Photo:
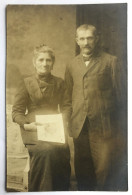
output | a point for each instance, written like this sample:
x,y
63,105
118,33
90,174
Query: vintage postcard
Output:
x,y
74,56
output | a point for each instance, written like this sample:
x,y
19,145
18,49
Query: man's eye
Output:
x,y
48,60
90,38
81,39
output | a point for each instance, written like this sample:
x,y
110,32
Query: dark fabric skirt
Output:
x,y
49,167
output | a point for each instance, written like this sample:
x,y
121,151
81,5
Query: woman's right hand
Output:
x,y
30,127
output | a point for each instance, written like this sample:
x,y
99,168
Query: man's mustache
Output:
x,y
88,47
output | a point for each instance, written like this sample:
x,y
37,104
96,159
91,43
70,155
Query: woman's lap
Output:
x,y
49,166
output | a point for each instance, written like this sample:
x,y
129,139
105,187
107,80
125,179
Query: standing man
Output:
x,y
92,106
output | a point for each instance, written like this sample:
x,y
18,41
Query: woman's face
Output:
x,y
43,64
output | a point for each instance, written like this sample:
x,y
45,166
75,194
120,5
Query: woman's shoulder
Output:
x,y
29,77
58,79
58,82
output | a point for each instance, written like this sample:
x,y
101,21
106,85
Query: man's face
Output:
x,y
43,63
86,41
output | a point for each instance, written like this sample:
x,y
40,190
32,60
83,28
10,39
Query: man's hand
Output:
x,y
31,126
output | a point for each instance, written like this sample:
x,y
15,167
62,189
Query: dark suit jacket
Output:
x,y
93,92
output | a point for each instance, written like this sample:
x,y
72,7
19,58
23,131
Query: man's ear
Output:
x,y
97,38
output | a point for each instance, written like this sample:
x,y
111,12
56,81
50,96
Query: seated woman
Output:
x,y
38,95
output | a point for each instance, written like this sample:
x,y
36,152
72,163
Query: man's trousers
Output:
x,y
99,162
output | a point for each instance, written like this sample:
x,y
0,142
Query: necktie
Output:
x,y
86,58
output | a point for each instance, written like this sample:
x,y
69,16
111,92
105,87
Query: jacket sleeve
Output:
x,y
61,94
67,100
118,77
20,105
120,87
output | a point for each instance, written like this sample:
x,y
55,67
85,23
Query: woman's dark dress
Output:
x,y
49,162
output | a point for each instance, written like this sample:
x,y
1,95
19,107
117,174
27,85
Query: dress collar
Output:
x,y
45,78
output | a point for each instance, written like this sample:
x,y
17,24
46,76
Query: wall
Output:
x,y
111,22
30,26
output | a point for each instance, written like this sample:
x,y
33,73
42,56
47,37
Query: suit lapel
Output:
x,y
81,65
83,69
92,64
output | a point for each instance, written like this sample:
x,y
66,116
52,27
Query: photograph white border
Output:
x,y
3,4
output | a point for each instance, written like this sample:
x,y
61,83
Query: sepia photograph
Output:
x,y
66,98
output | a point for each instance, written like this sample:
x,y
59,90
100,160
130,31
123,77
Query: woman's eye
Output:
x,y
41,60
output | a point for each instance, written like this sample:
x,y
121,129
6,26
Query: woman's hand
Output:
x,y
30,127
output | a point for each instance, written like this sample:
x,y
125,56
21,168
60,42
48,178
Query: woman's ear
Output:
x,y
77,40
52,66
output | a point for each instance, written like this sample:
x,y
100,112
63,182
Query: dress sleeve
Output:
x,y
20,105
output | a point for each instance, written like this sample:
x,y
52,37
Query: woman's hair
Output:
x,y
44,49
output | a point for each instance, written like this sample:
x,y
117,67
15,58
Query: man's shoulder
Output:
x,y
73,61
107,56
